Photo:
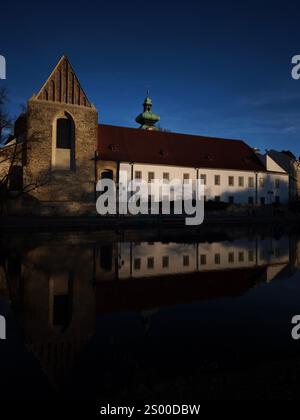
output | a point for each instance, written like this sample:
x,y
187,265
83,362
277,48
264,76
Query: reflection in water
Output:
x,y
58,286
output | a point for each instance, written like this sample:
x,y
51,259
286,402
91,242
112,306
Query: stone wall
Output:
x,y
57,187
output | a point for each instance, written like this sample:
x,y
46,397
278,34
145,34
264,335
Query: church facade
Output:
x,y
65,151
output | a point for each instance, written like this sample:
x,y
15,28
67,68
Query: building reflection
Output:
x,y
58,287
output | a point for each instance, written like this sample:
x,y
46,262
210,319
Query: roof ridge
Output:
x,y
174,133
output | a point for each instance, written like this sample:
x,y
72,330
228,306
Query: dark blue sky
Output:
x,y
217,68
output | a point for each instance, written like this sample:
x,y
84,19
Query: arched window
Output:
x,y
107,174
63,149
63,133
46,96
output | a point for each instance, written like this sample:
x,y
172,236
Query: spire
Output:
x,y
147,119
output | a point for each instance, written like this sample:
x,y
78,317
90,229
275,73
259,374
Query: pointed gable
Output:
x,y
63,86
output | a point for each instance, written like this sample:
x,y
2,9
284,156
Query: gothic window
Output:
x,y
63,150
64,133
46,96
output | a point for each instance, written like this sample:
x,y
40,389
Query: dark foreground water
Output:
x,y
150,315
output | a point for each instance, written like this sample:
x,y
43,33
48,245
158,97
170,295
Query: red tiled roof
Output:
x,y
164,148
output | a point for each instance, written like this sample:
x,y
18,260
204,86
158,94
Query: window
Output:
x,y
231,257
250,200
261,182
251,255
251,182
217,259
277,199
217,198
202,259
203,179
241,256
186,260
231,199
150,262
137,263
186,177
165,262
262,200
277,183
63,152
204,198
150,176
166,177
64,133
231,181
217,180
241,181
138,174
107,174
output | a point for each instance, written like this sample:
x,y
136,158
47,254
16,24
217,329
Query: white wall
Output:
x,y
242,253
224,190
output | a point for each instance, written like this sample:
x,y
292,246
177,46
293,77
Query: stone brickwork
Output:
x,y
56,189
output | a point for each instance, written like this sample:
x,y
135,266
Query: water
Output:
x,y
148,313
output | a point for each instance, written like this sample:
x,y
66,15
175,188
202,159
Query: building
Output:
x,y
65,151
288,161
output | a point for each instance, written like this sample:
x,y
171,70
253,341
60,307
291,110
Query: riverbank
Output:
x,y
139,222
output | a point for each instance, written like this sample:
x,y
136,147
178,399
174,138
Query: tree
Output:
x,y
12,158
5,120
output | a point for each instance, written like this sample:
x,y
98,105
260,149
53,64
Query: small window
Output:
x,y
217,198
231,199
166,176
138,174
241,181
277,183
165,261
231,257
217,259
251,182
137,263
261,182
241,256
202,259
186,260
203,179
150,176
150,262
231,181
217,180
186,177
250,200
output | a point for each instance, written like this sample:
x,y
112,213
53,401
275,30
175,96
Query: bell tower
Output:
x,y
61,143
147,119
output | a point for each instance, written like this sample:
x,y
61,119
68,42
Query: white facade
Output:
x,y
241,187
148,259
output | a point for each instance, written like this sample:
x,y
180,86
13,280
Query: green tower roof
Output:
x,y
147,119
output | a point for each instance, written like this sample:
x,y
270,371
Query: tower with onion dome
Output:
x,y
147,119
